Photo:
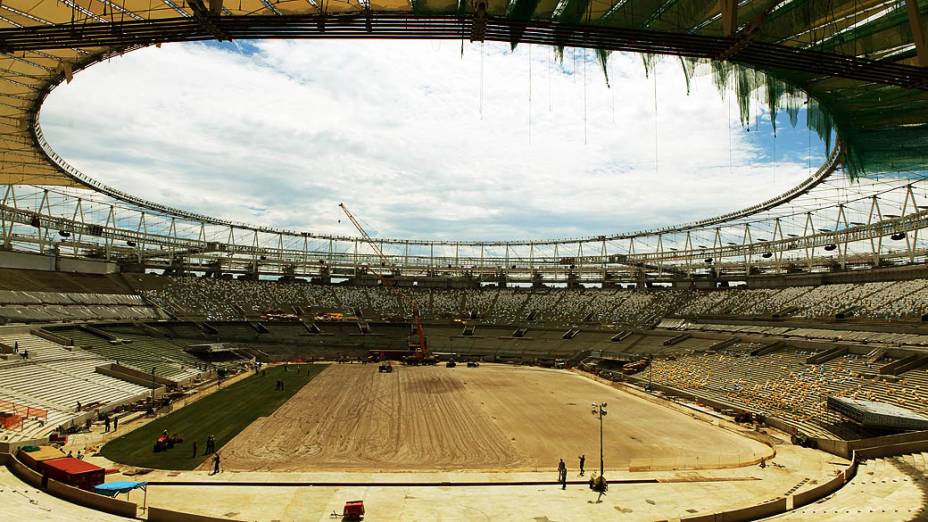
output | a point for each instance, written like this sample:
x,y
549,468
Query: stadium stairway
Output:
x,y
883,490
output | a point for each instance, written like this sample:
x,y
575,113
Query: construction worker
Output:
x,y
582,463
215,464
562,474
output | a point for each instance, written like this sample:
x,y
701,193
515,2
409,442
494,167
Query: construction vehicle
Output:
x,y
420,347
636,367
353,510
418,354
166,442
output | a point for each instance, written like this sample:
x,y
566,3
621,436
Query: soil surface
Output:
x,y
495,417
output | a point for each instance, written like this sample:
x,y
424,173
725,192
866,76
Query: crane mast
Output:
x,y
385,261
420,347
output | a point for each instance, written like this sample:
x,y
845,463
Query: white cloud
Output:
x,y
394,129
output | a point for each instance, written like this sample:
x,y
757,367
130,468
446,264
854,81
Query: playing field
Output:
x,y
222,414
493,417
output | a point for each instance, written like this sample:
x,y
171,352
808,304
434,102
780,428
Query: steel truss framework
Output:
x,y
834,224
824,223
374,25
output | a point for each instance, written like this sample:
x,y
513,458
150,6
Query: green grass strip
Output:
x,y
223,414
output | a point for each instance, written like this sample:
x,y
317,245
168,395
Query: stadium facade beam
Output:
x,y
756,54
729,17
918,32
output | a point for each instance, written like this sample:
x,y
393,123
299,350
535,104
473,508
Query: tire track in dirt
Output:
x,y
352,418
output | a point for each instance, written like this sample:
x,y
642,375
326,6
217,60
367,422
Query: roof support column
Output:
x,y
79,233
918,32
876,244
730,16
6,195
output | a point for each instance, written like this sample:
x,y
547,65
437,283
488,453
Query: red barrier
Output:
x,y
18,413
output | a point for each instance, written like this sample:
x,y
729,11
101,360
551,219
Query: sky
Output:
x,y
421,139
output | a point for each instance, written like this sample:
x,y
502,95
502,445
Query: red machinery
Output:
x,y
421,348
73,472
354,510
420,355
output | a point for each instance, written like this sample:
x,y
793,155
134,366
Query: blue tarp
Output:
x,y
111,489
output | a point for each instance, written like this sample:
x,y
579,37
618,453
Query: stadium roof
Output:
x,y
857,59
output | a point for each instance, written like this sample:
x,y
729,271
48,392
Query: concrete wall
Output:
x,y
22,260
127,374
820,491
46,263
843,448
92,500
835,447
75,495
851,276
165,515
744,514
914,436
892,450
13,447
53,337
23,472
86,266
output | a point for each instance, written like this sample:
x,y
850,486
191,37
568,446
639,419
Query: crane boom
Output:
x,y
420,347
383,258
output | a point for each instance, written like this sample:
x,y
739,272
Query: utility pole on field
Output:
x,y
599,483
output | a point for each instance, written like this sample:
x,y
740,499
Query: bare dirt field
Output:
x,y
493,417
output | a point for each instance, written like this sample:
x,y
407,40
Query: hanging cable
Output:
x,y
656,156
728,102
809,132
772,124
585,138
613,92
481,79
550,66
529,94
573,52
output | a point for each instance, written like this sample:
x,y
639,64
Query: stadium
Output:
x,y
766,362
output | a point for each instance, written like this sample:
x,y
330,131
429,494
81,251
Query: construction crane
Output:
x,y
384,260
419,346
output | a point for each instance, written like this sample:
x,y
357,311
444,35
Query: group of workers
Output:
x,y
22,354
562,470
